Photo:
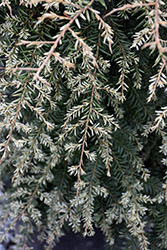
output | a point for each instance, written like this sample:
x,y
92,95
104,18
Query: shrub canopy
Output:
x,y
83,119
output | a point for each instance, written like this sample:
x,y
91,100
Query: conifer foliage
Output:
x,y
83,119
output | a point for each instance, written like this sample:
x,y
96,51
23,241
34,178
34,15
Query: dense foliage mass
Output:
x,y
83,119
